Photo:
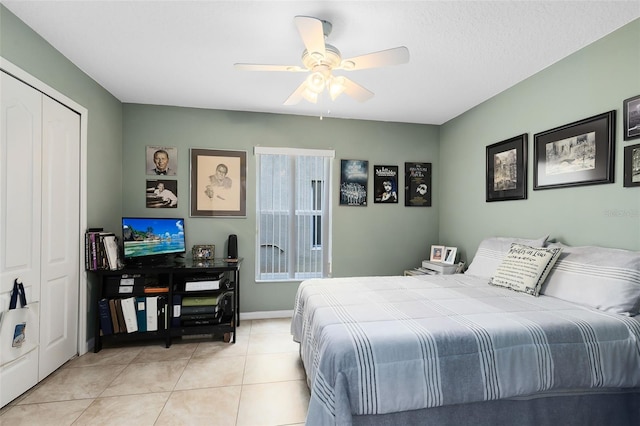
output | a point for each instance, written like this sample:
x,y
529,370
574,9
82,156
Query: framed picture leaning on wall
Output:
x,y
218,184
506,176
578,153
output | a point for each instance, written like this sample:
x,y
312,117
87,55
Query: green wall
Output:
x,y
23,47
378,239
593,80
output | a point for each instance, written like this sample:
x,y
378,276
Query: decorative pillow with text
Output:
x,y
525,268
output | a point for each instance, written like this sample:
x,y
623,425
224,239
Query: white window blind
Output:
x,y
293,209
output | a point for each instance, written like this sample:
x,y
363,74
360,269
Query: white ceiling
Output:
x,y
182,52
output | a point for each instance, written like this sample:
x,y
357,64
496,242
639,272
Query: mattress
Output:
x,y
375,345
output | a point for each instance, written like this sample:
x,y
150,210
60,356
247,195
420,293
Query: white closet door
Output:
x,y
60,235
20,207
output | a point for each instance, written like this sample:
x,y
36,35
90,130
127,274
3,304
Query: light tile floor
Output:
x,y
259,380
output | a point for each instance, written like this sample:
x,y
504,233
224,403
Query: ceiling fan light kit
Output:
x,y
320,60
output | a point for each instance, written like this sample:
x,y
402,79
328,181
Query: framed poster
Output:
x,y
162,160
579,153
162,194
218,183
417,184
385,184
354,175
506,177
631,121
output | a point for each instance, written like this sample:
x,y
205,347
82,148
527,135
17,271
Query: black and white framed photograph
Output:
x,y
417,184
385,184
354,175
506,169
162,194
578,153
632,165
631,121
162,160
449,256
218,184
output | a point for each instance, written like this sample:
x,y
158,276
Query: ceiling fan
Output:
x,y
320,60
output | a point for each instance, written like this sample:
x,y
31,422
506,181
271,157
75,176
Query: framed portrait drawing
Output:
x,y
385,184
162,160
631,121
162,194
218,184
579,153
354,175
506,176
417,184
437,254
632,165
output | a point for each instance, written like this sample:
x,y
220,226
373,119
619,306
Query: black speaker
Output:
x,y
232,248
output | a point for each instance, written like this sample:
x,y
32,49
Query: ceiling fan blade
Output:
x,y
356,91
383,58
264,67
296,96
312,34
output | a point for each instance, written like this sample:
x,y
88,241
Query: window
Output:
x,y
293,213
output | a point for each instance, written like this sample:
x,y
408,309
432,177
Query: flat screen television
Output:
x,y
152,239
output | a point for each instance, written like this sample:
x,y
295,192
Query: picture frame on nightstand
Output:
x,y
437,253
449,256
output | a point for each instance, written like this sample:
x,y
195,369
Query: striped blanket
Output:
x,y
373,345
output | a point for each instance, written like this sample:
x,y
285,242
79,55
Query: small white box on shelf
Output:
x,y
439,267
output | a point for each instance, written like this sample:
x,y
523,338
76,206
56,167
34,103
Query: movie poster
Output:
x,y
417,181
353,182
385,184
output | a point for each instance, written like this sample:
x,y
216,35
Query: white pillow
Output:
x,y
525,268
491,252
603,278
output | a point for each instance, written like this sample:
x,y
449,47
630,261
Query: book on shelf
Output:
x,y
206,309
152,313
105,317
211,321
155,289
101,250
129,314
121,322
141,313
191,317
201,300
175,314
115,324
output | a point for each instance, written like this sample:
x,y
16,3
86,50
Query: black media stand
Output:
x,y
162,301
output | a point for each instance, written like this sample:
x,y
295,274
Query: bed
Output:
x,y
453,349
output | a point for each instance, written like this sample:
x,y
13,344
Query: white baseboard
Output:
x,y
265,315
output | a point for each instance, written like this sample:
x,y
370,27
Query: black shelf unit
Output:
x,y
173,276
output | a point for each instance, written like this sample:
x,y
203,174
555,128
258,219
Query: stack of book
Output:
x,y
132,314
101,250
199,310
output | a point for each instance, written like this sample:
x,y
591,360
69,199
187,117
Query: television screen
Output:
x,y
146,237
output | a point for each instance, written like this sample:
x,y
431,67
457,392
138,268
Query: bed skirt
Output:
x,y
615,407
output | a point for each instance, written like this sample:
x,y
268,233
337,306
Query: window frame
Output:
x,y
292,275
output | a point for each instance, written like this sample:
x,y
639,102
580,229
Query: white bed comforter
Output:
x,y
374,345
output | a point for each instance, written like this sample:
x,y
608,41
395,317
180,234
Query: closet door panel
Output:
x,y
60,235
20,212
